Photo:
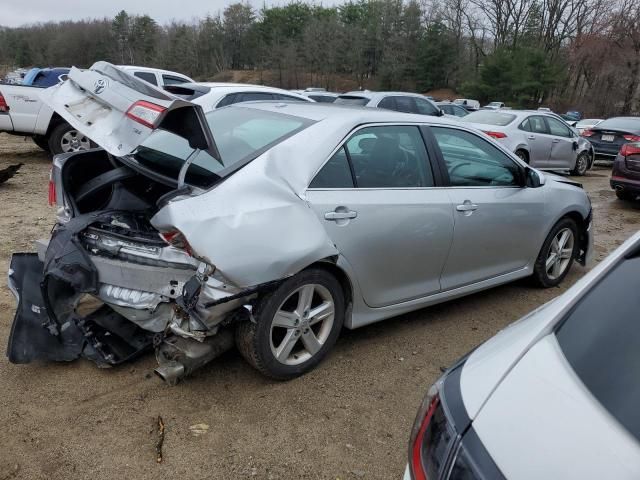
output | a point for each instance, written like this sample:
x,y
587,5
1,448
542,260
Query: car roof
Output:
x,y
378,94
223,87
357,114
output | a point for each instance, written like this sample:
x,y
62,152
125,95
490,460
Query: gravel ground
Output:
x,y
350,418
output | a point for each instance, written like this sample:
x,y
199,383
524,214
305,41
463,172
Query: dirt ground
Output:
x,y
350,418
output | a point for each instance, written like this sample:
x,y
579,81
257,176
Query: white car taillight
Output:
x,y
145,113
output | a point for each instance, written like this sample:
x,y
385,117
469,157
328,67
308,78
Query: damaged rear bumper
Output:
x,y
95,294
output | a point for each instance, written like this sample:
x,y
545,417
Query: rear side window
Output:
x,y
379,157
336,173
600,339
323,98
287,98
147,77
405,104
534,124
473,162
252,97
388,102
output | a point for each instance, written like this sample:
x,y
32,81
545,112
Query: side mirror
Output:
x,y
533,179
63,78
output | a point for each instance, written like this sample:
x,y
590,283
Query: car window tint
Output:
x,y
556,127
388,102
472,161
228,100
323,98
405,104
253,96
525,125
600,339
288,98
147,77
425,107
171,80
335,173
389,157
459,111
537,125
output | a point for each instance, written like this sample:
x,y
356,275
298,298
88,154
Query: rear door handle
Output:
x,y
467,207
531,137
333,216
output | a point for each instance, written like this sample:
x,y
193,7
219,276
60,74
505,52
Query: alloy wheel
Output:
x,y
73,141
560,253
302,324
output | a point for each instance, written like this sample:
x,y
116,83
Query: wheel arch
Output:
x,y
54,122
331,265
583,236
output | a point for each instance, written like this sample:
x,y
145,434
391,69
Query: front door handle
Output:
x,y
334,216
467,206
556,140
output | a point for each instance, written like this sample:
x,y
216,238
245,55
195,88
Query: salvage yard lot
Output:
x,y
349,418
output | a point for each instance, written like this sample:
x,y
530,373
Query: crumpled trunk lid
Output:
x,y
99,102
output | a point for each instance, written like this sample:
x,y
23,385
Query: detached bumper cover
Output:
x,y
47,325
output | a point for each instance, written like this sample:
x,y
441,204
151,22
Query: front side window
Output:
x,y
473,162
241,135
287,98
425,107
351,100
379,157
405,104
600,339
556,127
147,77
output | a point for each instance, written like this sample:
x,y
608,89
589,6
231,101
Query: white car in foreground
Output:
x,y
553,396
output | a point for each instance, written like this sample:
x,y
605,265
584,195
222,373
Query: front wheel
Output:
x,y
557,254
295,326
582,164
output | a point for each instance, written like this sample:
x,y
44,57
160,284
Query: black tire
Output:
x,y
582,165
42,142
624,195
541,276
56,139
254,340
523,155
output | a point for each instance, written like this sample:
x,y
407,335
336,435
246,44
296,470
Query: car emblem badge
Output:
x,y
99,86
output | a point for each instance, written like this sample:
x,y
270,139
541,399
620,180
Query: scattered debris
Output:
x,y
199,429
9,172
160,439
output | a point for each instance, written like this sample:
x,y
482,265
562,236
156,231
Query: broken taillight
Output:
x,y
52,190
145,113
176,239
495,134
4,107
587,133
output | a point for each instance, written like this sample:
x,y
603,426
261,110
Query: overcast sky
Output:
x,y
14,13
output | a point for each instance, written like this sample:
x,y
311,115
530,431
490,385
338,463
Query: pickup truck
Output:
x,y
23,113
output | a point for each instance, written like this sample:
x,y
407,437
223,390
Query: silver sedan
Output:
x,y
541,139
275,223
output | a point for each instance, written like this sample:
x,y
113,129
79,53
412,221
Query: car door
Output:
x,y
497,219
378,200
538,140
563,153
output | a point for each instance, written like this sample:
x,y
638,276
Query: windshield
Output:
x,y
241,135
351,100
600,339
621,123
490,118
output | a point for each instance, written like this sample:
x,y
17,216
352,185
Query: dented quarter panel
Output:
x,y
268,231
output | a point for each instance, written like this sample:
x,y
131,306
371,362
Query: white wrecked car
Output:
x,y
274,223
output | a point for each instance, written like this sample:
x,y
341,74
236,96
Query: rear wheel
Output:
x,y
582,164
295,326
623,195
523,155
557,254
66,139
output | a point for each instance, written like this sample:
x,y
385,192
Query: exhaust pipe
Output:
x,y
179,356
